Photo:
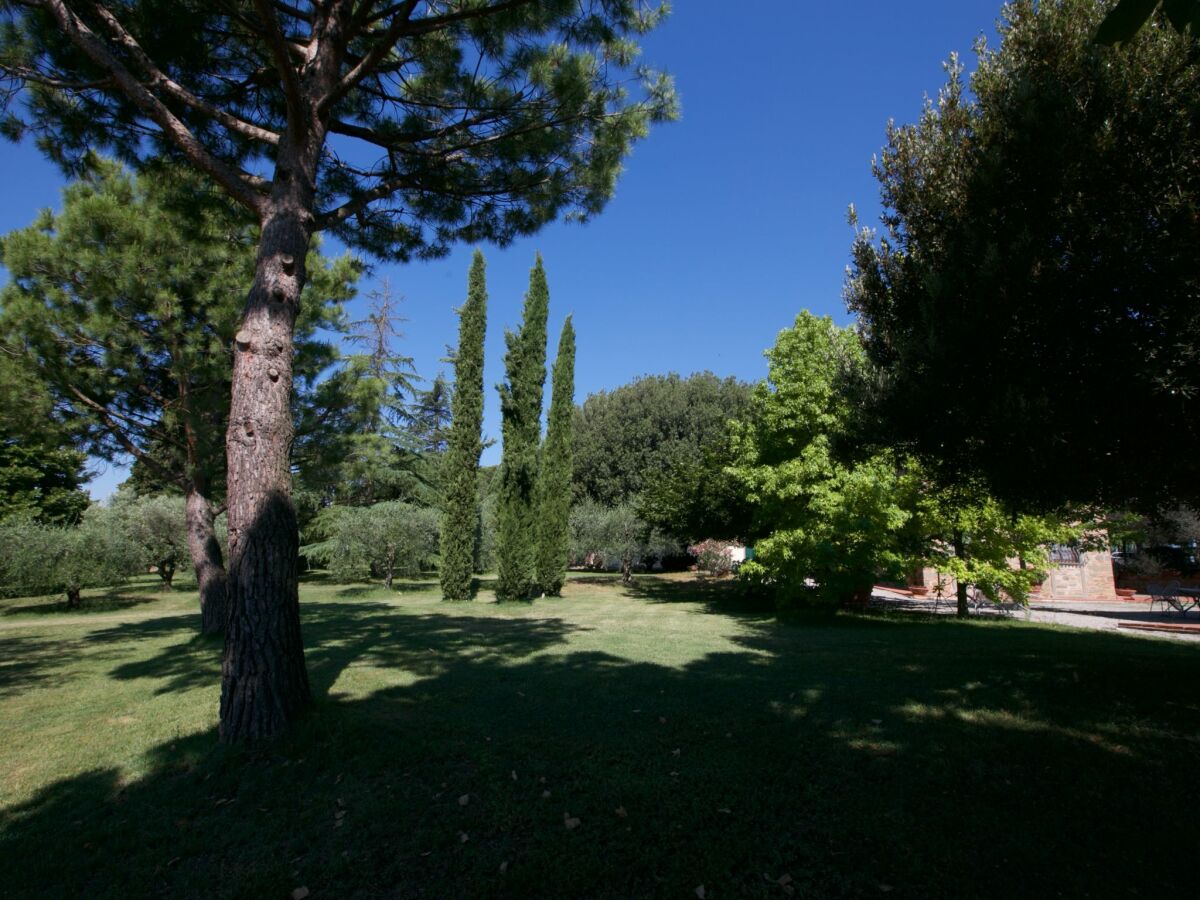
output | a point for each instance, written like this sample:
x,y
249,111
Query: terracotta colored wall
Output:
x,y
1092,579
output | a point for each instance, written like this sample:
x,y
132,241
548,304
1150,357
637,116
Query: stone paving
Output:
x,y
1096,615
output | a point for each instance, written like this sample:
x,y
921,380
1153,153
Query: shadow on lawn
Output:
x,y
866,756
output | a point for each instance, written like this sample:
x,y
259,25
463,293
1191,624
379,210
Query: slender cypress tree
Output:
x,y
460,470
554,473
521,413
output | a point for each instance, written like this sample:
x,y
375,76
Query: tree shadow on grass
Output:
x,y
111,602
338,635
856,758
720,595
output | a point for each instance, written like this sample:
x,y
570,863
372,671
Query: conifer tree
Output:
x,y
554,473
460,512
521,414
400,128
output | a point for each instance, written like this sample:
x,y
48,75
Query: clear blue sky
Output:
x,y
725,224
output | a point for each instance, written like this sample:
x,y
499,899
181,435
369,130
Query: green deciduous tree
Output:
x,y
554,471
521,428
604,534
627,438
156,526
125,305
383,540
460,468
1034,296
697,497
37,559
400,127
823,529
972,538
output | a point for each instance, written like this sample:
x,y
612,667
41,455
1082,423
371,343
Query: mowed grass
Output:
x,y
612,743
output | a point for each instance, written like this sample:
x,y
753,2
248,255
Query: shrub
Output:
x,y
712,556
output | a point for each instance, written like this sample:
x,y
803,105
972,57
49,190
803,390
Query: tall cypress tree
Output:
x,y
461,465
554,473
521,413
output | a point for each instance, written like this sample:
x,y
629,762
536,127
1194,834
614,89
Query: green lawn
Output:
x,y
687,744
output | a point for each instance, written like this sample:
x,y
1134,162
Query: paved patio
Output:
x,y
1097,615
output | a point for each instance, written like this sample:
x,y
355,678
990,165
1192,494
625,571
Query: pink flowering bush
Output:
x,y
712,556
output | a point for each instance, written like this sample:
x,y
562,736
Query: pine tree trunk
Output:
x,y
960,551
264,683
205,551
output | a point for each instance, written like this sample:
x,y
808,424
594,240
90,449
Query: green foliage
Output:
x,y
352,444
156,526
125,304
40,559
460,468
697,497
972,538
626,439
41,472
484,121
428,418
823,529
384,540
521,412
554,472
601,535
1034,296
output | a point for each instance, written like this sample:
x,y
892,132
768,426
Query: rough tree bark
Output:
x,y
73,597
205,551
264,682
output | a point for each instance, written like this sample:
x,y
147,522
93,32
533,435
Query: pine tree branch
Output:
x,y
160,80
279,52
239,187
106,417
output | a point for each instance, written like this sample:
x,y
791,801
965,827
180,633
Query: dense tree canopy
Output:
x,y
822,529
625,439
521,427
41,472
554,470
460,469
1034,298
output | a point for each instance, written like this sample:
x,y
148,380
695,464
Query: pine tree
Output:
x,y
461,465
554,474
521,413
